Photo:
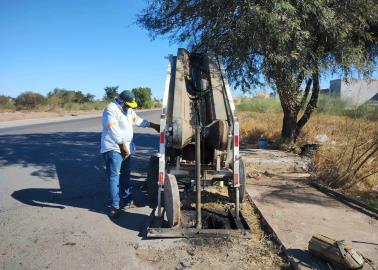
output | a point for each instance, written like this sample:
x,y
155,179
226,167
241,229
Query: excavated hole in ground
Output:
x,y
209,220
215,209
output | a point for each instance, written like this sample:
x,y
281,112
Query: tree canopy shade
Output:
x,y
287,44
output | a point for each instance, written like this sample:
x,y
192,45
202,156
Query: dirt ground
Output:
x,y
227,253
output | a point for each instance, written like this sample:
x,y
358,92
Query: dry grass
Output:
x,y
348,160
254,125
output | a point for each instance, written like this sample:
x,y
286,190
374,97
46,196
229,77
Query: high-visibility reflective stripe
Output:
x,y
162,137
236,153
111,124
236,140
236,179
161,178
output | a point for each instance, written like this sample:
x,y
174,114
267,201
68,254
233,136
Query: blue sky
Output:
x,y
77,44
80,45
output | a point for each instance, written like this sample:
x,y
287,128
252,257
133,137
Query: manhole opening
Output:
x,y
210,220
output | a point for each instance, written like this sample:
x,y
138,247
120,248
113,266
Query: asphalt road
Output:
x,y
53,198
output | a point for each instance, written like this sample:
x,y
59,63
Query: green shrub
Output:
x,y
71,106
368,110
143,97
337,106
99,105
157,104
7,103
29,101
332,105
86,106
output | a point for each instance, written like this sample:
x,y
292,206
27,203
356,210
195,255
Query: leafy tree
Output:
x,y
110,92
62,96
6,103
89,97
29,100
143,97
287,44
79,97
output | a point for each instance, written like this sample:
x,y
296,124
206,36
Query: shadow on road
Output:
x,y
305,260
275,193
74,159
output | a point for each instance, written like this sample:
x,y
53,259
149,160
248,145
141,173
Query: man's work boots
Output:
x,y
114,213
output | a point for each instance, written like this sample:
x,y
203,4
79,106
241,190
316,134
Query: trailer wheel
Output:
x,y
231,190
152,179
171,200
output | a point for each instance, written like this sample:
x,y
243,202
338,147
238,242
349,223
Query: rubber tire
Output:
x,y
231,190
153,178
172,203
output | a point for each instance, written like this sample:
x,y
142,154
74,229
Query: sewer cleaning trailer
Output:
x,y
199,137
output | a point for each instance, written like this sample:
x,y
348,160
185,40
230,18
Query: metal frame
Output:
x,y
162,139
234,136
242,230
236,139
236,167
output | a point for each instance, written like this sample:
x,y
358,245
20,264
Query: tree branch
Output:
x,y
305,94
313,100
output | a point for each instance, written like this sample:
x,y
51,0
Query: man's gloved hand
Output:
x,y
155,127
124,152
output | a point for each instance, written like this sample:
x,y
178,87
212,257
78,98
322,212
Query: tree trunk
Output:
x,y
289,126
289,108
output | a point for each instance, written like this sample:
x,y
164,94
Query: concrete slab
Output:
x,y
296,211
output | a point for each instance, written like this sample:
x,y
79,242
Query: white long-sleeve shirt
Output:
x,y
117,127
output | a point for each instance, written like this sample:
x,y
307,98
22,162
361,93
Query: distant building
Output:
x,y
356,91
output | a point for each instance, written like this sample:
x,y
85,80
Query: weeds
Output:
x,y
326,104
259,104
348,160
332,105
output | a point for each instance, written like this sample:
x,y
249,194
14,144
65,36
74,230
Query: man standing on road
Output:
x,y
117,145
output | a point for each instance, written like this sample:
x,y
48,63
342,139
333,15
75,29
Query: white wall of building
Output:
x,y
356,91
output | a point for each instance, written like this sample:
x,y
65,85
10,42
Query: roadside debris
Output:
x,y
321,138
262,143
254,175
339,254
182,265
309,149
